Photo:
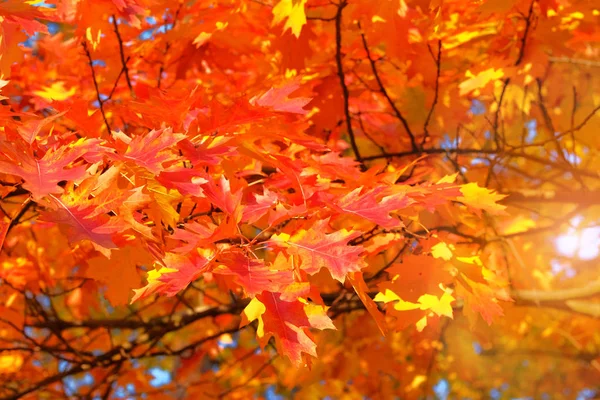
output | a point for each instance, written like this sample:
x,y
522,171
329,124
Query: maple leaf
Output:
x,y
151,150
162,208
287,321
278,100
207,150
84,211
25,15
480,80
80,226
176,274
293,11
319,250
361,289
479,198
480,299
41,176
31,128
56,91
130,9
252,274
185,180
263,203
372,208
219,193
440,306
442,250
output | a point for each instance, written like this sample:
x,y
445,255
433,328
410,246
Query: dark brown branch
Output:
x,y
100,102
385,93
438,61
539,160
342,76
160,322
117,80
167,47
122,54
525,34
15,221
528,22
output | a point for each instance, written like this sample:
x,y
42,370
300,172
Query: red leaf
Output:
x,y
278,100
151,150
252,274
370,206
319,250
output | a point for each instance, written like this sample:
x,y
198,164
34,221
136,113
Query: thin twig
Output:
x,y
507,80
122,54
110,95
385,94
100,102
438,61
342,76
167,47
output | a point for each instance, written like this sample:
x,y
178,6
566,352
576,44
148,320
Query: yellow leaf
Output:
x,y
163,202
480,80
421,324
447,179
253,311
440,306
386,297
153,281
294,12
56,91
481,198
441,250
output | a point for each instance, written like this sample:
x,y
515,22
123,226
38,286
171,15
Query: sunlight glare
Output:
x,y
584,243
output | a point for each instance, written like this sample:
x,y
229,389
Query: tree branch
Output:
x,y
122,54
100,102
385,94
342,76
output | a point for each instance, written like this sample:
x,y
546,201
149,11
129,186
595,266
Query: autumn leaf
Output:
x,y
41,176
30,129
479,198
441,306
480,80
287,321
185,180
252,274
176,274
291,11
373,206
278,99
151,150
319,250
195,194
481,300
